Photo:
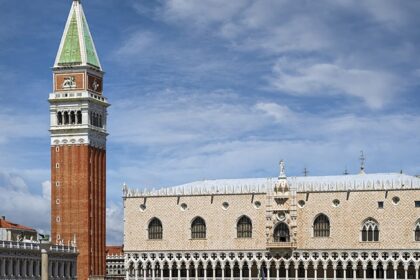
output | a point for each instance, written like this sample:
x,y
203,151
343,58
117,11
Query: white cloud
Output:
x,y
46,190
114,224
202,12
304,78
15,125
280,113
136,44
23,206
179,117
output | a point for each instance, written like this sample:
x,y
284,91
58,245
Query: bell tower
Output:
x,y
78,117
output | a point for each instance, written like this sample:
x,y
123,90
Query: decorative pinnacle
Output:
x,y
282,170
362,163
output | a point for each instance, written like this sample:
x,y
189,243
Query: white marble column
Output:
x,y
214,271
161,271
354,271
277,271
223,271
187,268
374,271
170,271
395,270
240,271
296,273
345,271
268,271
316,271
44,265
405,271
249,271
205,271
305,266
153,272
231,272
179,271
287,271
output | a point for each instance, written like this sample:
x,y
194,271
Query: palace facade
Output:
x,y
336,227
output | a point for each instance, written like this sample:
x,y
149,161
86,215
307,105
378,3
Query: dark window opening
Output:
x,y
198,228
244,227
59,118
281,233
155,229
322,226
79,117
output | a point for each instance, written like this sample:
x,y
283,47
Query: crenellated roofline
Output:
x,y
344,183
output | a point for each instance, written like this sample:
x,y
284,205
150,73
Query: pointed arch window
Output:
x,y
198,228
281,233
370,230
155,229
417,231
244,227
322,226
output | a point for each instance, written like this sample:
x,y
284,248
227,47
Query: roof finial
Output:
x,y
362,162
305,172
282,170
346,172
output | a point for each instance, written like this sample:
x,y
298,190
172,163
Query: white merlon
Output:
x,y
360,182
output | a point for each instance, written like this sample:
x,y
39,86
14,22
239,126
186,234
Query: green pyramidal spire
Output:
x,y
77,47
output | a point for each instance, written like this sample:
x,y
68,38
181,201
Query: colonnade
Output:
x,y
12,267
258,265
25,261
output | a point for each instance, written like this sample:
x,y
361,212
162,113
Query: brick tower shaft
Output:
x,y
78,116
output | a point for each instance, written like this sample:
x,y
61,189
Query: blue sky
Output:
x,y
216,89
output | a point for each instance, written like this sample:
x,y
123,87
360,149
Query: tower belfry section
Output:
x,y
78,120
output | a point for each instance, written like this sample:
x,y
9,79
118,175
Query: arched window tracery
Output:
x,y
417,231
370,230
155,229
198,228
244,227
321,226
281,233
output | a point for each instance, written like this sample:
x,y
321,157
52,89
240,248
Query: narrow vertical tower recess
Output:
x,y
78,112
